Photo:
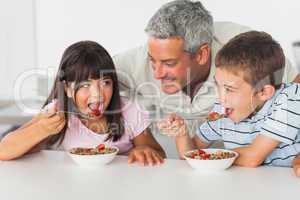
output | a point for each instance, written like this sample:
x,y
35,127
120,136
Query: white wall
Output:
x,y
119,24
17,45
35,33
279,18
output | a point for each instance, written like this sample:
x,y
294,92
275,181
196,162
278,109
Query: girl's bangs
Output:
x,y
90,69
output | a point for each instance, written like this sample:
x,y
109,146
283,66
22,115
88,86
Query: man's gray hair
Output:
x,y
184,18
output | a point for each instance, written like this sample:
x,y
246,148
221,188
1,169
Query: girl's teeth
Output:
x,y
94,106
100,107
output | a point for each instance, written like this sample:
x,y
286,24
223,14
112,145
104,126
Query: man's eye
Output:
x,y
170,64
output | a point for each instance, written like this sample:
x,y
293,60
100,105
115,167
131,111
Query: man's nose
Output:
x,y
159,72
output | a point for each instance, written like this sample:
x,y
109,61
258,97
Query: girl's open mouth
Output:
x,y
96,108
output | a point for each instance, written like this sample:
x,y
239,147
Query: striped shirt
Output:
x,y
278,119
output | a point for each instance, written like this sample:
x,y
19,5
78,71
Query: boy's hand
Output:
x,y
173,126
296,165
145,156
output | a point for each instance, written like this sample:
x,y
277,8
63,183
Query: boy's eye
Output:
x,y
151,60
228,90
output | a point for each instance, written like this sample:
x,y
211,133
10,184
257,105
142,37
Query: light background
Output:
x,y
35,33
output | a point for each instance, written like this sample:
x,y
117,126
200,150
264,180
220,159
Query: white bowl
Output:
x,y
210,165
94,160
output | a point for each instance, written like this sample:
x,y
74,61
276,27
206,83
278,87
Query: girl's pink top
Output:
x,y
135,119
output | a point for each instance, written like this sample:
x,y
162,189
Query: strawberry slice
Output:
x,y
95,108
96,112
100,147
205,156
213,116
200,151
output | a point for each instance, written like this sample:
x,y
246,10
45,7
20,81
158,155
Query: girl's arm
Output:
x,y
147,150
27,137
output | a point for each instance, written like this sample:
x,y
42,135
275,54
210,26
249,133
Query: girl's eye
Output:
x,y
107,82
84,85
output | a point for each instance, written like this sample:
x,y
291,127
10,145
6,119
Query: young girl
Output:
x,y
85,109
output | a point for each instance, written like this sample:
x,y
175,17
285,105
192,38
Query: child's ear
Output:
x,y
203,54
266,93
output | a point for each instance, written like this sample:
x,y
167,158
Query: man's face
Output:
x,y
236,95
171,64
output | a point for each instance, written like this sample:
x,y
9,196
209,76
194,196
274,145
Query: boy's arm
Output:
x,y
296,165
254,154
185,143
175,126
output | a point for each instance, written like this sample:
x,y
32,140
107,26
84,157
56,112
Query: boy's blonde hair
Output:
x,y
257,55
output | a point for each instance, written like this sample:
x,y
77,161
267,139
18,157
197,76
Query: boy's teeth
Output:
x,y
228,111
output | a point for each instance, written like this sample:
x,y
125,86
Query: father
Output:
x,y
174,71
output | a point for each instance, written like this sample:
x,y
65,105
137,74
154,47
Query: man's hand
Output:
x,y
145,156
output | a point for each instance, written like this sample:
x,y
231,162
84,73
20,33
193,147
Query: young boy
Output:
x,y
259,115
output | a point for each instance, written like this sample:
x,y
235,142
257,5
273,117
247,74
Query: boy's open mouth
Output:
x,y
228,111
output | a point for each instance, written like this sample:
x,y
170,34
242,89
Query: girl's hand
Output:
x,y
145,155
50,121
173,126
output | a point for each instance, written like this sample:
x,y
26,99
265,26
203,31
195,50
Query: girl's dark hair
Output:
x,y
82,61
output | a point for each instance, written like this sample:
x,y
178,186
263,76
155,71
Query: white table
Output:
x,y
53,175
